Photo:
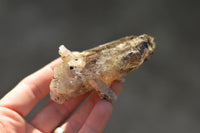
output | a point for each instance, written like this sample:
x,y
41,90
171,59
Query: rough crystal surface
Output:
x,y
98,67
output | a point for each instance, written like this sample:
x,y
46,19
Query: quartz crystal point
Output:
x,y
97,68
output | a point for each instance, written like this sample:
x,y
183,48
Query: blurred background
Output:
x,y
161,96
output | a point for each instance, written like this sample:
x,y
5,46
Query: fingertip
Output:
x,y
98,118
55,62
104,105
117,86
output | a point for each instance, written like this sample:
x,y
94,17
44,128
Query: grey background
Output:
x,y
161,96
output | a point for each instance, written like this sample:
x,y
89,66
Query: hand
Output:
x,y
92,117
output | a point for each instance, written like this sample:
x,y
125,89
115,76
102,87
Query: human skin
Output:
x,y
92,117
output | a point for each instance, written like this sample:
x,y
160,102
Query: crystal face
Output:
x,y
98,67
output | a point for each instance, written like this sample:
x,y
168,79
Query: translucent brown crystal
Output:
x,y
98,67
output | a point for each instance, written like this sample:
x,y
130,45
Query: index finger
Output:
x,y
30,90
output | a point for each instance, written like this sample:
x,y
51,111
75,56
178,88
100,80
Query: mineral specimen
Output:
x,y
97,68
